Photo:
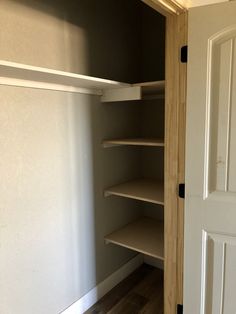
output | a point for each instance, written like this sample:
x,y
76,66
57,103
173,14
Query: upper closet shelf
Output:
x,y
148,90
16,74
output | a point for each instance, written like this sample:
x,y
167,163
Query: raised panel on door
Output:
x,y
221,111
219,252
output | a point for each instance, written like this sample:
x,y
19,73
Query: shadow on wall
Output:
x,y
100,38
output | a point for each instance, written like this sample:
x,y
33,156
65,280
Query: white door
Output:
x,y
210,219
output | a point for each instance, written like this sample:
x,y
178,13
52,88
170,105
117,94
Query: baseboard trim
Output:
x,y
88,300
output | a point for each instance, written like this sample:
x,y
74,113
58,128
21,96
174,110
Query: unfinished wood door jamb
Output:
x,y
175,106
176,37
183,37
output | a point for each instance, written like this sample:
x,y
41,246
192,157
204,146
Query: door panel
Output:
x,y
222,115
210,208
219,262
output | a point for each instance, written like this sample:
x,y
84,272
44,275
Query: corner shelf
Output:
x,y
145,235
134,142
147,190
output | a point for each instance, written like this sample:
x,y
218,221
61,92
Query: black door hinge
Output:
x,y
180,309
184,54
182,190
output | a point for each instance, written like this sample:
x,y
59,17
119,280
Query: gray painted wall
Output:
x,y
98,38
53,215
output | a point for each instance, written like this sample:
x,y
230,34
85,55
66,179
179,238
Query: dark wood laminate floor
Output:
x,y
141,292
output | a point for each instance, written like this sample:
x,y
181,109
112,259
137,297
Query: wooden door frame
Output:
x,y
175,129
175,111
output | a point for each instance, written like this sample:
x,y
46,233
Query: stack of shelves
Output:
x,y
145,235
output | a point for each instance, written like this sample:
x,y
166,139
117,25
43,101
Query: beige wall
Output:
x,y
53,216
46,213
52,249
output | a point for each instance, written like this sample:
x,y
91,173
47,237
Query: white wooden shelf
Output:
x,y
145,235
147,190
16,74
134,142
138,91
23,75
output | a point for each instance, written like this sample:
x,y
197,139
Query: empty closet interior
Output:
x,y
109,72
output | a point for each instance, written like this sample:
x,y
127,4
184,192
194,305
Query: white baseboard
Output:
x,y
88,300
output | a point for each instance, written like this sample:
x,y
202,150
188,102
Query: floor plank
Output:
x,y
141,292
